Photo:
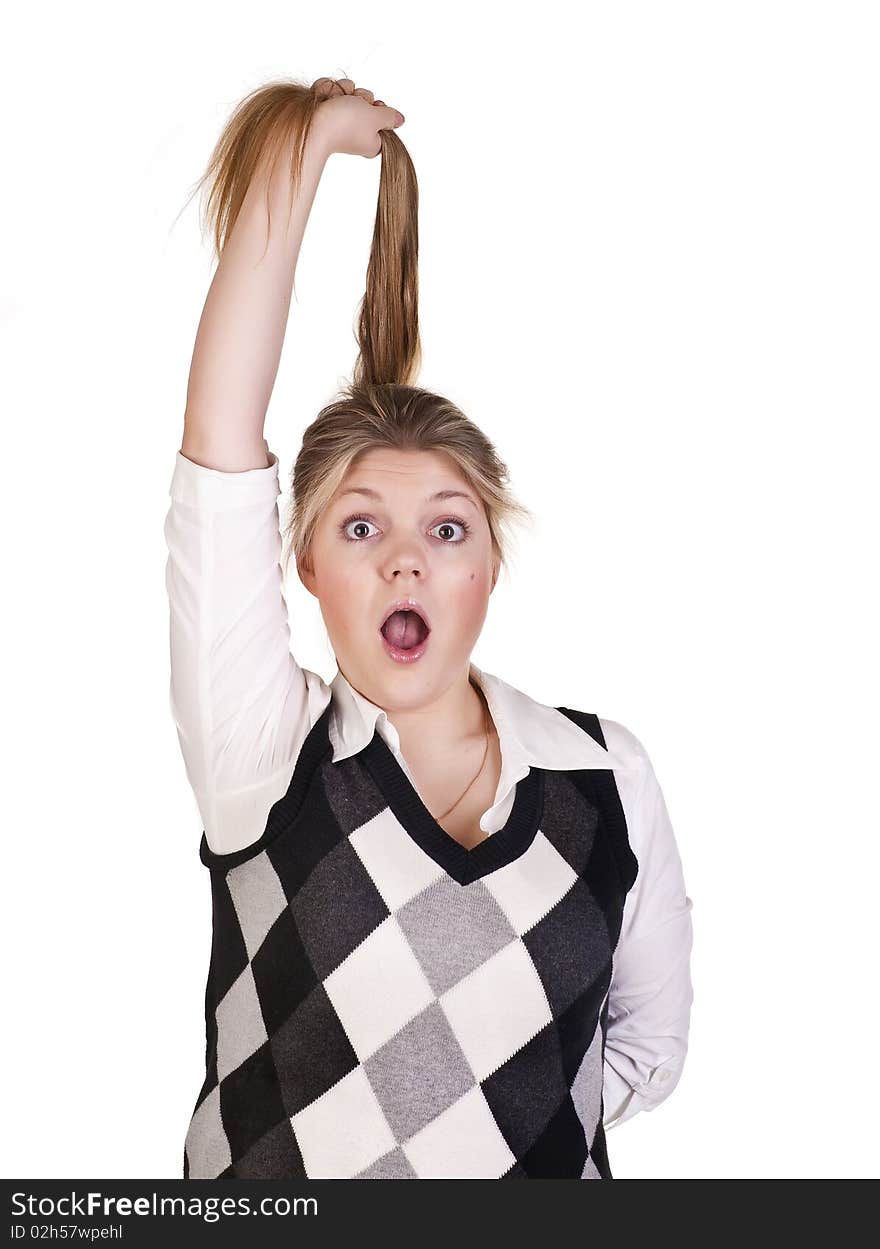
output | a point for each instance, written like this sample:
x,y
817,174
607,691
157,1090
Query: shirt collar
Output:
x,y
530,733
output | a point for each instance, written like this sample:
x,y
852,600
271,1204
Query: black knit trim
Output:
x,y
600,784
284,811
463,865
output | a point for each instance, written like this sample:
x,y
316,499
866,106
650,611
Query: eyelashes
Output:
x,y
447,520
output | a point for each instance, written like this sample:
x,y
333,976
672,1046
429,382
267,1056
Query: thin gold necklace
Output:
x,y
438,818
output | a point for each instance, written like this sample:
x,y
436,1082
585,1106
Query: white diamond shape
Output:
x,y
398,866
378,988
463,1143
497,1008
342,1131
529,887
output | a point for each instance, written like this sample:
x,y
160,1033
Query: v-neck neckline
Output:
x,y
462,864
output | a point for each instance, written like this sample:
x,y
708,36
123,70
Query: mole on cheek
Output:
x,y
472,576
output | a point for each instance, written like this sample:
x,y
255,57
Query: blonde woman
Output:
x,y
451,937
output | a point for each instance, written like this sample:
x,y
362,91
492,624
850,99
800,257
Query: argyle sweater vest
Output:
x,y
383,1003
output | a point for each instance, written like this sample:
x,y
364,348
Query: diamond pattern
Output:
x,y
383,1017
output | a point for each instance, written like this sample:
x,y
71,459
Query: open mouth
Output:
x,y
405,633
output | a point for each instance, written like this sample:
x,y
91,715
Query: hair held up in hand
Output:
x,y
382,406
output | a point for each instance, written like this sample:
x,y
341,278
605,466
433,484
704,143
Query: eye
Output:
x,y
359,522
449,523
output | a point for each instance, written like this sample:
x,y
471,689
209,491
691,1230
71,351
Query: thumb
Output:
x,y
390,118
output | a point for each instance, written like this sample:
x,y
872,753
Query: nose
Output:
x,y
402,565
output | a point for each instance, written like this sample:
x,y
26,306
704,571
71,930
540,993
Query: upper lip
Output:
x,y
406,604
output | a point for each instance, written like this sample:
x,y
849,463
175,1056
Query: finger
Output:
x,y
347,85
322,87
364,94
391,118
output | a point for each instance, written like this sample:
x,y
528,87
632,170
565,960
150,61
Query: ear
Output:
x,y
307,576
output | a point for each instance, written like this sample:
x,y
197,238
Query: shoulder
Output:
x,y
626,752
627,748
561,736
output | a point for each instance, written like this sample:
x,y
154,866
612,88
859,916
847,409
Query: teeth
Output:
x,y
406,607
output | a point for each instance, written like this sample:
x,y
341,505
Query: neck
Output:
x,y
443,726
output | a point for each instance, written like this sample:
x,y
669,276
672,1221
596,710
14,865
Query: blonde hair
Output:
x,y
381,407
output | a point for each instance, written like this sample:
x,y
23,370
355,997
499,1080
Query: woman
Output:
x,y
450,930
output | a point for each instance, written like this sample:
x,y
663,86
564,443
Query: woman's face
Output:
x,y
385,535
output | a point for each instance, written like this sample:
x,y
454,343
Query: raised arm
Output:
x,y
241,331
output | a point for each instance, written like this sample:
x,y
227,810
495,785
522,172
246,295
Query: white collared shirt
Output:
x,y
243,706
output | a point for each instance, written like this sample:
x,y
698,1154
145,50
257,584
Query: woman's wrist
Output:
x,y
284,188
319,140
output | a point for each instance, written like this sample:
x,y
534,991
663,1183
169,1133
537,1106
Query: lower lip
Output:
x,y
402,656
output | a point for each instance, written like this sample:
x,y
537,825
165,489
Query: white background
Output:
x,y
649,270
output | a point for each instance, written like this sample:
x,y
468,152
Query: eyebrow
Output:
x,y
439,496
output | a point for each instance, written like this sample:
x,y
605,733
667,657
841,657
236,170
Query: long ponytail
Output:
x,y
388,324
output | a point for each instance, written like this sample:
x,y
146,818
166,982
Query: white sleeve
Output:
x,y
238,697
650,996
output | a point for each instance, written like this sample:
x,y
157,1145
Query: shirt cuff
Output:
x,y
623,1100
212,489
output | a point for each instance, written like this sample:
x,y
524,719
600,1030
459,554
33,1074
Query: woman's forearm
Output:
x,y
241,332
